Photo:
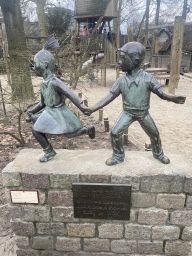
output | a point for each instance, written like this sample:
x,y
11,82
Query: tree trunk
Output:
x,y
184,14
147,22
40,10
140,28
116,29
19,59
157,13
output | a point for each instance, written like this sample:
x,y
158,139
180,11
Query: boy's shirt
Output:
x,y
136,91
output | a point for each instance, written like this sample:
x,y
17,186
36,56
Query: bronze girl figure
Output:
x,y
56,117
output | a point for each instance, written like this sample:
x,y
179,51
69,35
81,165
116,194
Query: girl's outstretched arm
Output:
x,y
69,94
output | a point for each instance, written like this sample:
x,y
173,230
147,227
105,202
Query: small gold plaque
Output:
x,y
24,196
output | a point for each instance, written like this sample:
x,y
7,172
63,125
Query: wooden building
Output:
x,y
94,13
165,34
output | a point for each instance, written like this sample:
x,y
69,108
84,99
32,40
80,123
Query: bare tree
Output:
x,y
18,56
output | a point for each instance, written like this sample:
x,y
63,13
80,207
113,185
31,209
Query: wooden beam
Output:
x,y
176,53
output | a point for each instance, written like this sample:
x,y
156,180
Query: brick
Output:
x,y
63,181
189,202
153,216
110,231
188,185
68,244
11,179
124,246
27,253
96,245
187,234
133,181
91,254
63,214
181,218
40,181
15,212
142,200
42,197
51,229
61,198
81,230
52,253
47,253
42,243
135,232
177,248
162,183
23,228
165,233
22,241
147,247
167,201
36,213
94,178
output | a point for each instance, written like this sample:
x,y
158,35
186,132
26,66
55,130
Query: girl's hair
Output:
x,y
46,56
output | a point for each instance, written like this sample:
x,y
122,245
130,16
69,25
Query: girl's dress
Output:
x,y
56,118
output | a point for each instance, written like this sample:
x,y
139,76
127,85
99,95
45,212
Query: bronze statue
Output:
x,y
135,86
56,117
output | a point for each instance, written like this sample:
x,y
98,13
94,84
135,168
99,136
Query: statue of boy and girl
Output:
x,y
135,86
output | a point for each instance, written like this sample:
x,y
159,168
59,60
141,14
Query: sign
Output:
x,y
24,196
101,201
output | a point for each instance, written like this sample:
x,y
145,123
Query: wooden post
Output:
x,y
104,76
156,49
117,70
85,102
125,137
106,124
100,114
80,95
130,34
176,53
152,49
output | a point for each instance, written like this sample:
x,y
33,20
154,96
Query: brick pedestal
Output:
x,y
161,211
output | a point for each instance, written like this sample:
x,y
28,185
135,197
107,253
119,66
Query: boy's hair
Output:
x,y
46,56
137,50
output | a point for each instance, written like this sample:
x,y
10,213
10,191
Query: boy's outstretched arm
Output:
x,y
109,98
179,99
114,93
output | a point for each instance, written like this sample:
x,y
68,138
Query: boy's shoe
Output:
x,y
49,154
163,159
112,161
91,132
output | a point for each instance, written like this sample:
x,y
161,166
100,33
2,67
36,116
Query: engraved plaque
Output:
x,y
102,201
24,196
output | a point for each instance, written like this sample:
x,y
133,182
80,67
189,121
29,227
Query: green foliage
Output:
x,y
58,20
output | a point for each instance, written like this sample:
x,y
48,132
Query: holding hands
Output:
x,y
86,111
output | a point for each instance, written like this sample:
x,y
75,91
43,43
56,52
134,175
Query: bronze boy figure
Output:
x,y
135,86
56,118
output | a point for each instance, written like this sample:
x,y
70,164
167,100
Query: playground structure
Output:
x,y
100,44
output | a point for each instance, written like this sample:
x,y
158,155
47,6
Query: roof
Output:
x,y
168,29
94,9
